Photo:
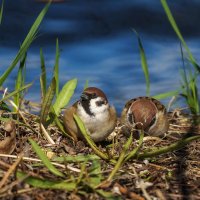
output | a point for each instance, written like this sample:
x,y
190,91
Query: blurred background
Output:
x,y
97,44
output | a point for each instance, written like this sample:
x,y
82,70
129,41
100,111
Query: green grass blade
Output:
x,y
1,11
76,158
155,152
183,73
43,79
47,101
88,139
95,174
46,184
121,158
44,159
64,96
20,80
26,43
15,92
167,94
144,64
136,149
178,33
56,67
86,84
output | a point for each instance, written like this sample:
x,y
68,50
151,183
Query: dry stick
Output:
x,y
175,146
3,164
10,170
38,160
50,140
4,190
142,185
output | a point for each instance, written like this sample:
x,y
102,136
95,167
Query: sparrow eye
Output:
x,y
99,103
94,95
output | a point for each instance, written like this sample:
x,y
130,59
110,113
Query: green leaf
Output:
x,y
20,80
44,159
46,184
95,174
167,94
64,96
88,138
43,79
86,84
56,67
178,33
46,103
15,92
76,159
1,11
144,63
26,43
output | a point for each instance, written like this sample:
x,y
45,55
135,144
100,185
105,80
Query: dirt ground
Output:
x,y
174,175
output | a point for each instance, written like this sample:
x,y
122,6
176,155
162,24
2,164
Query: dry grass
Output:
x,y
175,175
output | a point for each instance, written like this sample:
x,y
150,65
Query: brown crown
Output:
x,y
144,109
94,90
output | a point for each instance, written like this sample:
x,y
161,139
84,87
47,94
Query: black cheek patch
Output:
x,y
99,103
86,107
131,118
152,121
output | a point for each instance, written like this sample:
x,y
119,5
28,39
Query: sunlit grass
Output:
x,y
26,44
53,100
1,11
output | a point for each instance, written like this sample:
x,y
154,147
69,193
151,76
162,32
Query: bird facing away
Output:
x,y
94,110
145,113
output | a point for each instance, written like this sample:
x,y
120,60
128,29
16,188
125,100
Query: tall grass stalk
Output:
x,y
56,67
43,78
1,11
144,63
20,81
178,33
26,43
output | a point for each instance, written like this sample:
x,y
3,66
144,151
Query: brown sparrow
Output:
x,y
145,113
94,110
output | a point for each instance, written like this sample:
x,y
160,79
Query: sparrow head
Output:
x,y
148,114
142,113
94,101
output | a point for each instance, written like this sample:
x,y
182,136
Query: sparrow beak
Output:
x,y
84,97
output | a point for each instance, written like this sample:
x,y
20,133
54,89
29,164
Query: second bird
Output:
x,y
145,113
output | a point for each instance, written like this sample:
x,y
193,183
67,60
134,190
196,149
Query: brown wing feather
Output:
x,y
69,122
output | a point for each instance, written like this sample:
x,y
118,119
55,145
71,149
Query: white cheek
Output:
x,y
127,117
97,109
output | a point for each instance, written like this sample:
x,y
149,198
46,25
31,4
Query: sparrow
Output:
x,y
96,113
145,113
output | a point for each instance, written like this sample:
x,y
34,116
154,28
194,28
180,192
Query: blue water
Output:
x,y
97,44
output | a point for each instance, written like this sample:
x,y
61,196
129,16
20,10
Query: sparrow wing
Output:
x,y
68,120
